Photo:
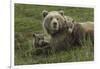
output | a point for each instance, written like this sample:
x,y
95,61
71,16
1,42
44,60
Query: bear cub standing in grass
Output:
x,y
64,32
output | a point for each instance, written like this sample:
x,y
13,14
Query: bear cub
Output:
x,y
40,44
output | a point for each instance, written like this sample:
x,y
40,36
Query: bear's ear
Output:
x,y
73,21
61,12
34,35
44,13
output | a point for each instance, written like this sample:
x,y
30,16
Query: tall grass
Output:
x,y
28,19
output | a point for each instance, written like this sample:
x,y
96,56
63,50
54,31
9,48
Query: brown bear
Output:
x,y
82,31
41,45
38,40
64,31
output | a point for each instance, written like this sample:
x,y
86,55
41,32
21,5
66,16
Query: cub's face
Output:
x,y
38,38
53,21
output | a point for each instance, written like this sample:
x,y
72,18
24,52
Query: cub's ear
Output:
x,y
61,12
44,13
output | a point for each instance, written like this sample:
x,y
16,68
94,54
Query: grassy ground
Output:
x,y
28,19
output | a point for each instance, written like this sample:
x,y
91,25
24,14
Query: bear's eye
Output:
x,y
50,18
57,18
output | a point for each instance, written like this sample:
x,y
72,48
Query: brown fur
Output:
x,y
68,33
39,41
82,31
40,44
66,39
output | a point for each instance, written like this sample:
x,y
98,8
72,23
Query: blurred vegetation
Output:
x,y
28,19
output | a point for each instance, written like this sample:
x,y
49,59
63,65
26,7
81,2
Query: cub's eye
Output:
x,y
39,38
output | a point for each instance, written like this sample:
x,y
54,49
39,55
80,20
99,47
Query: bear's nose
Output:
x,y
55,23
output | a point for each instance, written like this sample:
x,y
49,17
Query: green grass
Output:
x,y
28,19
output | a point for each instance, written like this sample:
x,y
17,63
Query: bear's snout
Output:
x,y
55,24
41,42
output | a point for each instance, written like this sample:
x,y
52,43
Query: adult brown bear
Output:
x,y
64,31
82,32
